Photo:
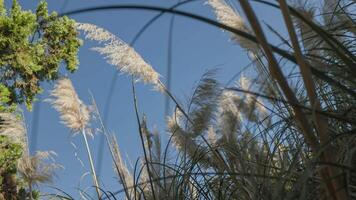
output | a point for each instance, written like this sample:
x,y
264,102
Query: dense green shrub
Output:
x,y
32,48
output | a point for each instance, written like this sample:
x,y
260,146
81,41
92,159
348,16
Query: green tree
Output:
x,y
10,154
33,46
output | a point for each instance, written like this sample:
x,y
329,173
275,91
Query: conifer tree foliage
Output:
x,y
32,48
10,154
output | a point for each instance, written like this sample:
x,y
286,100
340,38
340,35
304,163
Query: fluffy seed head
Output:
x,y
246,106
249,101
95,33
244,83
226,15
212,137
121,55
122,171
229,116
183,142
73,113
13,127
35,169
228,103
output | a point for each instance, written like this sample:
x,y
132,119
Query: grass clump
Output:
x,y
285,133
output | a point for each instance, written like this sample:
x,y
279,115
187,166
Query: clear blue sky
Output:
x,y
197,47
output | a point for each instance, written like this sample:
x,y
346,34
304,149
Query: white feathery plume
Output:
x,y
226,15
179,138
244,83
249,101
177,117
253,108
264,79
95,33
229,116
227,103
212,137
233,107
73,113
35,170
183,142
121,55
13,127
156,152
157,144
124,174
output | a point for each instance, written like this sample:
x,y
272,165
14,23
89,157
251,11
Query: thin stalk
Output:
x,y
109,144
277,73
114,79
121,176
35,124
169,64
340,49
30,189
141,137
93,173
320,121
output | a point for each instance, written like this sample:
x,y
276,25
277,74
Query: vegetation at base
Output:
x,y
286,131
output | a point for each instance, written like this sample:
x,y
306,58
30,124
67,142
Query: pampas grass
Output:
x,y
274,143
125,177
228,16
35,169
75,115
13,127
121,55
183,141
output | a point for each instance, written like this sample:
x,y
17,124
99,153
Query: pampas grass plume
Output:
x,y
73,113
226,15
13,127
121,55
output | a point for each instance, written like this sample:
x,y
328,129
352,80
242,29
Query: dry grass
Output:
x,y
284,134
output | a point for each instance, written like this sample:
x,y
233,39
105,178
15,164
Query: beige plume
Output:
x,y
73,113
13,127
121,55
226,15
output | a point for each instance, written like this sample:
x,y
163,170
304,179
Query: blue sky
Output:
x,y
197,47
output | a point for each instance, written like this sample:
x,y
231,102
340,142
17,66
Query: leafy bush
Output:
x,y
32,48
